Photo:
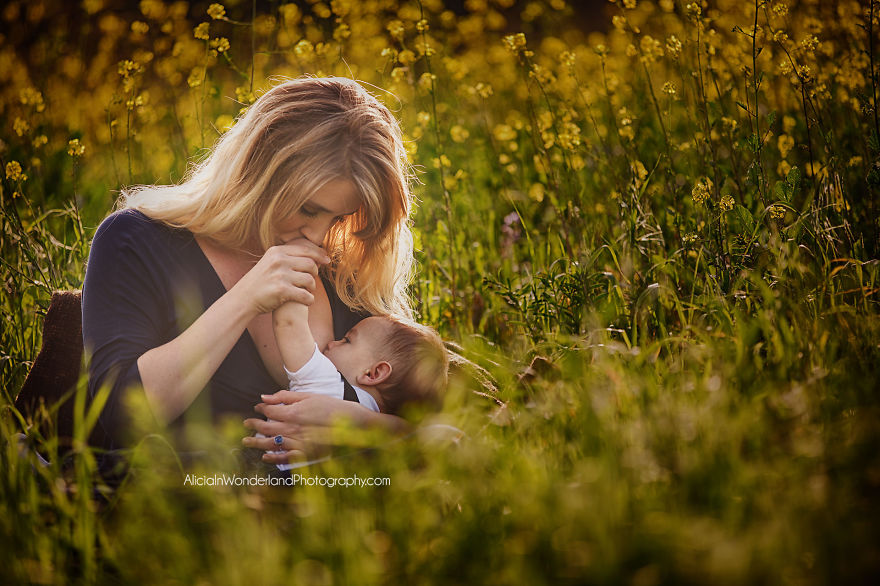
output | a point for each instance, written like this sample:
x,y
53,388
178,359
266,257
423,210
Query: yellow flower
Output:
x,y
459,133
20,126
726,203
406,57
669,88
536,192
631,4
139,27
515,43
245,95
75,148
32,97
216,11
221,44
396,29
304,48
504,132
777,212
201,31
40,141
13,171
195,77
702,191
673,46
224,122
422,25
783,168
785,143
484,90
342,32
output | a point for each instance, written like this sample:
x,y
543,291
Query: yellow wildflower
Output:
x,y
13,171
631,4
139,27
785,143
196,76
422,25
406,57
32,97
221,44
396,29
702,191
21,126
217,11
304,48
536,192
201,31
777,212
669,88
504,132
75,148
459,133
40,141
515,43
673,46
726,203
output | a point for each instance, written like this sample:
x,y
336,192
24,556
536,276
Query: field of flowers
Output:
x,y
653,228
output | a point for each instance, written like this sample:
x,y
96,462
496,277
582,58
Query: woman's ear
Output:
x,y
377,374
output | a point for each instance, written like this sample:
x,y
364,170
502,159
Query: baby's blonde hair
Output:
x,y
294,139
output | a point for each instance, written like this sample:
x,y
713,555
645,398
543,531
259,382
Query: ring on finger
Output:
x,y
278,439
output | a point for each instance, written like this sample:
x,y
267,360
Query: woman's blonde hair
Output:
x,y
295,138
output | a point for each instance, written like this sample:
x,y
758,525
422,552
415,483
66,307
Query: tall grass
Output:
x,y
659,238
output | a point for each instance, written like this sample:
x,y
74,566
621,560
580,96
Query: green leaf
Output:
x,y
793,178
745,218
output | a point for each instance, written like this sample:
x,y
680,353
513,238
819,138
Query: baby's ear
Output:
x,y
377,374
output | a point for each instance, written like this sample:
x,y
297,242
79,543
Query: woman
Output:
x,y
305,198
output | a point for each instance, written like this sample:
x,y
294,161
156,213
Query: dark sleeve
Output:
x,y
123,311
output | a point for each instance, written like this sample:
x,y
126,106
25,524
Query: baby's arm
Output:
x,y
292,334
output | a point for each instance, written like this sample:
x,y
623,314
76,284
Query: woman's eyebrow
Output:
x,y
319,208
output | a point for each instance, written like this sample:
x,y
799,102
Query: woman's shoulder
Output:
x,y
132,226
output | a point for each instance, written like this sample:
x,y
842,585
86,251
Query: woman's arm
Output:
x,y
305,421
175,373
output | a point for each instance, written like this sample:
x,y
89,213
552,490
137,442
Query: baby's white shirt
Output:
x,y
320,376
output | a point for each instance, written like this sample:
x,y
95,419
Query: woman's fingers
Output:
x,y
271,428
302,247
269,443
282,396
285,457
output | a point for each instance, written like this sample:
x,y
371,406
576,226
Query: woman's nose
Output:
x,y
315,231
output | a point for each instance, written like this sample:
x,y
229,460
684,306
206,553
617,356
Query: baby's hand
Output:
x,y
289,314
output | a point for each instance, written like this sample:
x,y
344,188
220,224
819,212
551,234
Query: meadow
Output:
x,y
652,228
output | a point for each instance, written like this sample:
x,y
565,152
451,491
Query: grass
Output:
x,y
659,239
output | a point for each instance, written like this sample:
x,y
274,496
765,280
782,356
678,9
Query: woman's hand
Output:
x,y
305,420
287,272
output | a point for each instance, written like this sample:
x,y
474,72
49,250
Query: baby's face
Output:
x,y
358,351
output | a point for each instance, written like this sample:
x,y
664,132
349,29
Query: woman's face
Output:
x,y
324,208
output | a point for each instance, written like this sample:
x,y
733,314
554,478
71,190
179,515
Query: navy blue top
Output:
x,y
145,284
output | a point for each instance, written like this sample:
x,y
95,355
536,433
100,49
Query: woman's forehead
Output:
x,y
338,197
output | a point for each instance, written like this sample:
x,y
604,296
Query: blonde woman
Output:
x,y
305,198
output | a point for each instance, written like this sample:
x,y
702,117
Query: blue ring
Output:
x,y
278,440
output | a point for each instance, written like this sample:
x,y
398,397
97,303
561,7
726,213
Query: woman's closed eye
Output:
x,y
309,213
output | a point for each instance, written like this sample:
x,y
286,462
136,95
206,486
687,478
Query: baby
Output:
x,y
390,363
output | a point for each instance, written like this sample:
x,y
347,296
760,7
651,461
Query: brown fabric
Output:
x,y
58,365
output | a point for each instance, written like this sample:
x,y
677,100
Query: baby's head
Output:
x,y
398,362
